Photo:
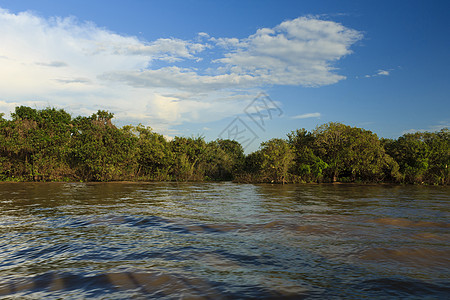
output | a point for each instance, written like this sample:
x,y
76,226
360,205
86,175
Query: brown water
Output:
x,y
223,240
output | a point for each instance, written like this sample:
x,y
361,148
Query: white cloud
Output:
x,y
203,35
58,61
56,64
309,115
171,50
296,52
412,131
81,67
380,73
431,128
179,78
383,73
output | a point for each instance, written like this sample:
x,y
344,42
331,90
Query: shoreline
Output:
x,y
224,181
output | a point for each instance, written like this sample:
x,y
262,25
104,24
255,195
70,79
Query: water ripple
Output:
x,y
223,241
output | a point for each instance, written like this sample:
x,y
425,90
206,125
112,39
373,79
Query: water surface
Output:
x,y
223,240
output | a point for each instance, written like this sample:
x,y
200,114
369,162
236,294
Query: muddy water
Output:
x,y
223,241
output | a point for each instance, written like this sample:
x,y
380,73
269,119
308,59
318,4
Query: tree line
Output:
x,y
49,145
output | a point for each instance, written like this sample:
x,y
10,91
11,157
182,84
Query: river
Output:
x,y
223,241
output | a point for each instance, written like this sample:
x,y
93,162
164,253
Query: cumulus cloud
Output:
x,y
296,52
81,67
57,62
309,115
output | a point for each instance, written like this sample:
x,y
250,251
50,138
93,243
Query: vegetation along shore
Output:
x,y
49,145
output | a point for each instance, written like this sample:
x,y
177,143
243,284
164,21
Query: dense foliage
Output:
x,y
50,145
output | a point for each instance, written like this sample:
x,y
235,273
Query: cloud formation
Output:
x,y
309,115
296,52
431,128
81,67
380,73
383,73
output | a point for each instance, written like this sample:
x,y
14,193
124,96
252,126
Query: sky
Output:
x,y
244,70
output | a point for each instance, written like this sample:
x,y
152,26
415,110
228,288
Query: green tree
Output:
x,y
48,144
332,144
278,158
423,157
6,163
224,159
100,151
307,165
411,153
250,171
189,156
351,153
155,158
439,158
37,143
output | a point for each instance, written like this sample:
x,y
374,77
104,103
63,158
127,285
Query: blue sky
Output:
x,y
252,70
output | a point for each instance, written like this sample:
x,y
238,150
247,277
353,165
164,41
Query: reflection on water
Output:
x,y
402,222
223,241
